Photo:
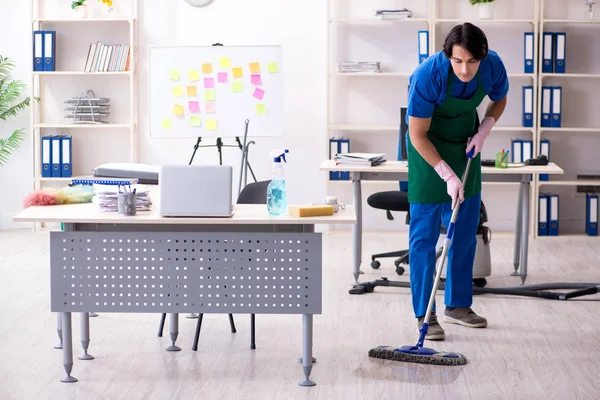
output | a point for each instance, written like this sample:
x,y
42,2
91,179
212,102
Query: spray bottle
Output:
x,y
276,192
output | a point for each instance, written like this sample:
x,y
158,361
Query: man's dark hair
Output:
x,y
469,37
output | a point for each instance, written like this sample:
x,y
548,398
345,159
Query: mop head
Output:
x,y
67,195
421,355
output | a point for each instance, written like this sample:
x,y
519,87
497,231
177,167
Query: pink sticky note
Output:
x,y
211,107
223,77
194,106
209,83
259,93
255,79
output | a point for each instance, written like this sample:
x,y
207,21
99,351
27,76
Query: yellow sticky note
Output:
x,y
255,68
210,95
237,86
191,91
211,124
237,72
272,67
207,68
167,123
225,63
195,120
193,75
177,91
261,109
178,110
174,75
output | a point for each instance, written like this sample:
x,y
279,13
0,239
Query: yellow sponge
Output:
x,y
316,210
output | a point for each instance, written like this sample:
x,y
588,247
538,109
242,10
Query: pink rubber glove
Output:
x,y
454,186
484,131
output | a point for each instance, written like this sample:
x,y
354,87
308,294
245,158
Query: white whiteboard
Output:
x,y
198,91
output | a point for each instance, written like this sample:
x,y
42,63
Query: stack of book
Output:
x,y
107,58
359,66
402,13
359,159
106,199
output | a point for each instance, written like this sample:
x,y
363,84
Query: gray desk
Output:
x,y
398,171
251,263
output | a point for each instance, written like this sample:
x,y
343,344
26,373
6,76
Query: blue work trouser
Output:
x,y
425,223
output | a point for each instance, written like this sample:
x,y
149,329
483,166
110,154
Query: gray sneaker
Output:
x,y
464,316
435,330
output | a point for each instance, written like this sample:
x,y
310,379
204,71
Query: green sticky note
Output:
x,y
210,95
167,123
174,75
195,120
211,124
237,86
177,91
261,108
272,67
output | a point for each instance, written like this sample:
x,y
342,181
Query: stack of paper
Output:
x,y
360,159
359,66
106,197
402,13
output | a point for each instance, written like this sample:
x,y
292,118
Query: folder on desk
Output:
x,y
556,106
46,157
560,52
546,107
49,50
517,150
333,150
528,106
547,51
66,155
591,214
423,45
545,150
543,215
38,50
528,53
553,214
344,148
56,156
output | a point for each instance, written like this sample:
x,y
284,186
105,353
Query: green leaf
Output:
x,y
10,144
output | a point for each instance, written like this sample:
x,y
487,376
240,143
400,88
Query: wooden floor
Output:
x,y
532,349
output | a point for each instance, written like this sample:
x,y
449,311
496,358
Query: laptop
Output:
x,y
195,191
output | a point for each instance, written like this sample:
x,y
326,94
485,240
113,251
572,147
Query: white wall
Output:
x,y
305,51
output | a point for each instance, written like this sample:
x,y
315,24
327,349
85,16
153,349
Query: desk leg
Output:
x,y
307,344
85,336
59,331
525,230
67,347
357,228
518,230
174,331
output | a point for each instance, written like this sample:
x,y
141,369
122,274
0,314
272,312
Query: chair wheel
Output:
x,y
375,264
399,270
479,282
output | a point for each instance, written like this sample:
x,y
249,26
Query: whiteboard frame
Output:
x,y
156,131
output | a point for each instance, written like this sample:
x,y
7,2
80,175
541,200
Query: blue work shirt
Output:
x,y
428,84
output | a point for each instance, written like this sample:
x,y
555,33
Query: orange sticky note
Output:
x,y
178,110
177,91
207,68
211,124
191,91
237,72
255,68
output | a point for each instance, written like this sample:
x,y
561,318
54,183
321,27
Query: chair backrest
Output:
x,y
402,143
254,193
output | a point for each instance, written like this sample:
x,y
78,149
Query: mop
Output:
x,y
418,353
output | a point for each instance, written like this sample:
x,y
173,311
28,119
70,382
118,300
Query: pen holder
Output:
x,y
126,203
501,160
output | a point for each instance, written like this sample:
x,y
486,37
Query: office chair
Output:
x,y
253,193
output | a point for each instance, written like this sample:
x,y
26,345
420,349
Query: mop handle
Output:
x,y
449,234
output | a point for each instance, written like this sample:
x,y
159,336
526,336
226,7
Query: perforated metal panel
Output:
x,y
212,272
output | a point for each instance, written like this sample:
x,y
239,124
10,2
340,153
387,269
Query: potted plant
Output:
x,y
10,91
486,8
80,8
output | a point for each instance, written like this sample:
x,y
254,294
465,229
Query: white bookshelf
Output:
x,y
98,28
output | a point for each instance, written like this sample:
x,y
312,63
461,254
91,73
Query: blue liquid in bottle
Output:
x,y
277,197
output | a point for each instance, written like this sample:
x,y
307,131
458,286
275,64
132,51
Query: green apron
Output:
x,y
452,123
